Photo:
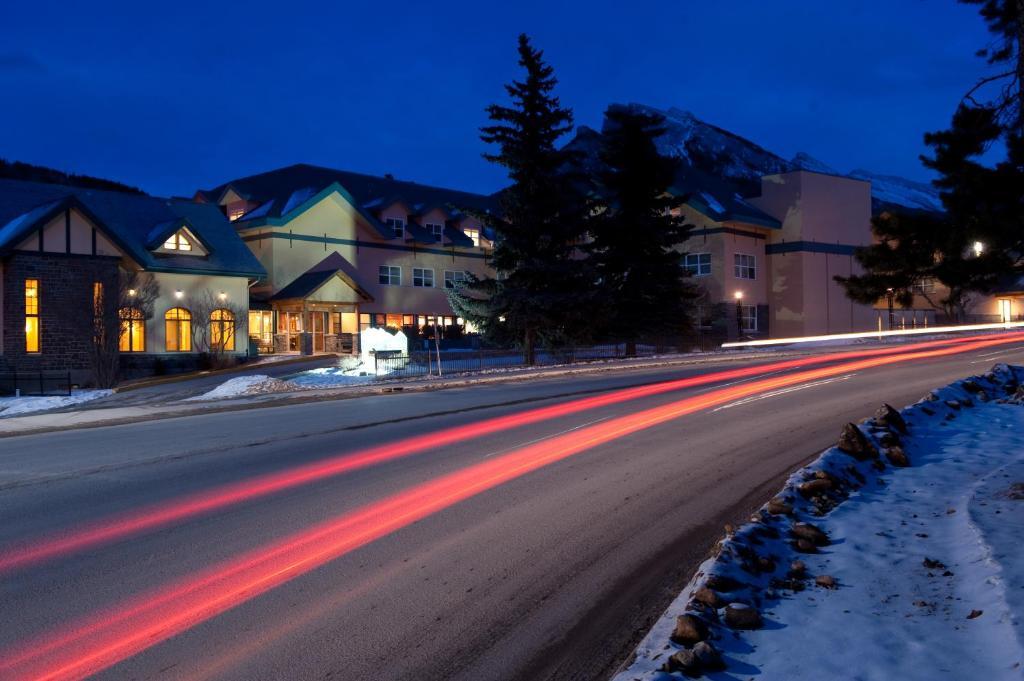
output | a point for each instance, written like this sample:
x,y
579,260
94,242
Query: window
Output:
x,y
436,229
178,330
422,276
222,330
178,242
32,315
236,213
389,275
925,286
473,234
133,330
397,226
698,264
748,317
744,266
97,299
454,279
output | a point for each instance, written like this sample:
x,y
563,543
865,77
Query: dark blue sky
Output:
x,y
174,96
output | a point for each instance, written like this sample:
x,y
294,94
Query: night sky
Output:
x,y
175,96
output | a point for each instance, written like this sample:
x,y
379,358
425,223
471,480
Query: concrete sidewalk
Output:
x,y
100,415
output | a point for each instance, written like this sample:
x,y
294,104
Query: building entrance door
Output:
x,y
319,328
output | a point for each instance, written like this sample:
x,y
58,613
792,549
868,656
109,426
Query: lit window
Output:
x,y
744,266
32,315
235,213
393,321
748,317
133,330
423,277
698,264
454,279
397,226
389,275
473,234
436,229
178,330
97,299
222,330
178,242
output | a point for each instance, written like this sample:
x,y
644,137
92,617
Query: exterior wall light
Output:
x,y
179,294
222,295
979,248
132,292
738,295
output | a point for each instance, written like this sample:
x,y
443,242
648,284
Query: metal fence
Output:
x,y
394,364
35,383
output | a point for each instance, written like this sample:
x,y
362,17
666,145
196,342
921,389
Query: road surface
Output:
x,y
551,572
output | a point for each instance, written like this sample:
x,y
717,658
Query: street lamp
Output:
x,y
738,295
890,295
978,248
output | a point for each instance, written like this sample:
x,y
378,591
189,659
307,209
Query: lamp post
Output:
x,y
890,295
739,313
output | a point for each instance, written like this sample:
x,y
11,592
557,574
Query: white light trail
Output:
x,y
875,334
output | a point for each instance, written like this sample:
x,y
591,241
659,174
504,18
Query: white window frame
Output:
x,y
435,228
397,226
388,275
698,268
457,277
423,274
748,313
474,234
741,268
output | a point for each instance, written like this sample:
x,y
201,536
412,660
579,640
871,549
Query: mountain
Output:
x,y
715,151
17,170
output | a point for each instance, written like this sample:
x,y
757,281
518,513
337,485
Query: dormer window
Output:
x,y
473,234
396,225
178,242
236,213
434,228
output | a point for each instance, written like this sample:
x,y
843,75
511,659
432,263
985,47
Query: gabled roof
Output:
x,y
367,192
130,221
312,279
719,200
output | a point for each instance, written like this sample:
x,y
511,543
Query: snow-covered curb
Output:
x,y
17,406
242,386
859,570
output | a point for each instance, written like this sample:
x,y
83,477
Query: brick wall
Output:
x,y
65,307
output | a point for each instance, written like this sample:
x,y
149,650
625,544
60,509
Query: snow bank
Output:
x,y
372,340
904,572
243,385
13,406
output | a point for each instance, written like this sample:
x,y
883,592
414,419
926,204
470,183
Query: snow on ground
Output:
x,y
928,570
16,406
241,386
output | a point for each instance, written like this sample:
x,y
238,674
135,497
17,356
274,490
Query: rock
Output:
x,y
975,614
779,507
888,439
797,569
897,457
927,410
708,597
804,546
810,532
972,387
684,661
932,564
953,404
814,487
852,441
826,581
689,629
710,659
722,583
887,415
742,616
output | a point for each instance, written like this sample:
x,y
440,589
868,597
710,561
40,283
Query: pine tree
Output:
x,y
537,295
643,285
977,244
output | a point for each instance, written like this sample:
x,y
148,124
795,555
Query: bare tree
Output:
x,y
217,323
109,317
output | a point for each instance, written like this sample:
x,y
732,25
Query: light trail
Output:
x,y
162,514
103,640
874,334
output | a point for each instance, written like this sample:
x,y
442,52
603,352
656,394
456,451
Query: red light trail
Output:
x,y
105,639
159,515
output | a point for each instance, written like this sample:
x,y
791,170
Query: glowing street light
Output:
x,y
738,295
978,248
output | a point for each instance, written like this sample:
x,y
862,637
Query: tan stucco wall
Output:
x,y
192,286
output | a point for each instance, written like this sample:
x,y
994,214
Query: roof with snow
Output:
x,y
133,222
719,200
279,191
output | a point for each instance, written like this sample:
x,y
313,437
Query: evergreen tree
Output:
x,y
978,243
540,285
643,285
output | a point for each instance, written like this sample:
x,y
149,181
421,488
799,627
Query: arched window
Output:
x,y
133,330
222,330
178,330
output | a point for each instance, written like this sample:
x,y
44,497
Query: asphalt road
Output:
x,y
553,574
